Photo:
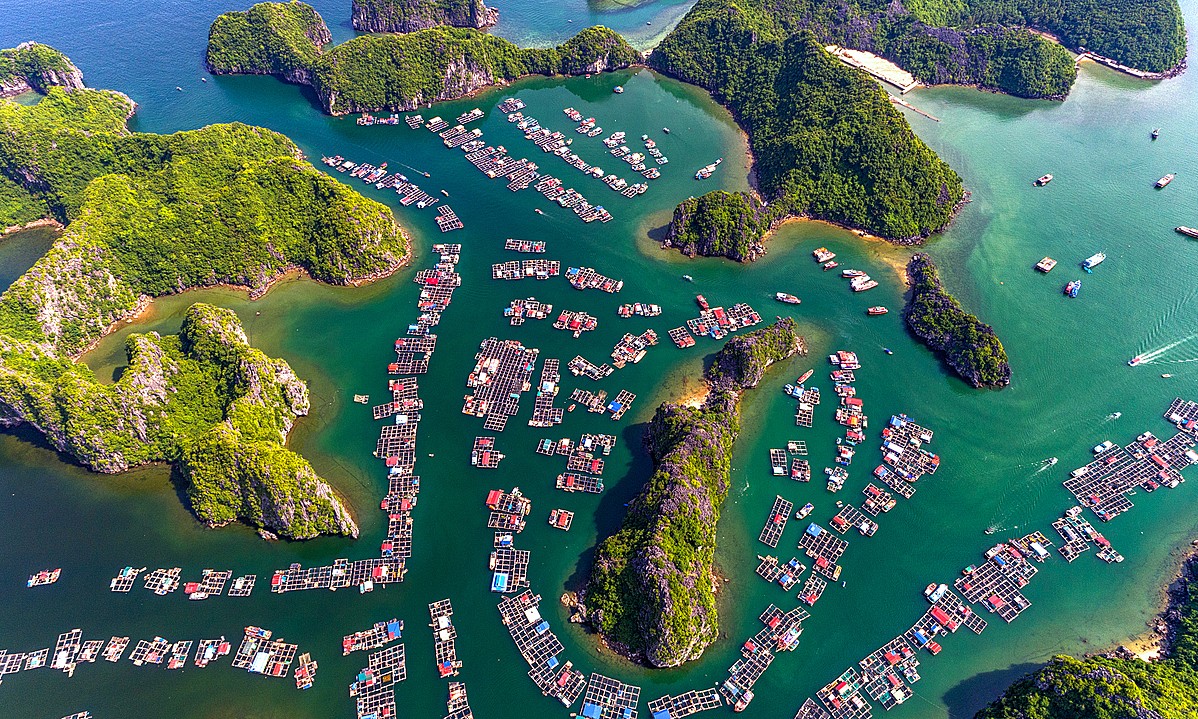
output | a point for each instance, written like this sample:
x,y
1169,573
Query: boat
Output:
x,y
361,398
1165,180
887,350
991,530
618,89
852,273
443,192
1187,231
1166,376
538,210
934,592
1156,133
876,310
665,130
688,278
1043,180
1093,261
1072,288
1135,360
787,298
802,513
259,632
831,265
702,302
806,376
1045,265
1051,461
46,576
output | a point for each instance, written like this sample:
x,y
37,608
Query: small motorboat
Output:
x,y
887,350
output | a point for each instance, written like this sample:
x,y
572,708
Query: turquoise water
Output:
x,y
1068,356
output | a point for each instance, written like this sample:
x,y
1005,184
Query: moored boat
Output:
x,y
1093,261
806,376
876,310
787,298
1165,180
1045,265
1187,231
1072,288
702,301
1043,180
1156,133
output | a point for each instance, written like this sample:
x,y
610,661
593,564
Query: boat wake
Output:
x,y
1045,464
1158,354
1112,417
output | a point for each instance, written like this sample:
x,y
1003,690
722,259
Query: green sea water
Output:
x,y
1068,357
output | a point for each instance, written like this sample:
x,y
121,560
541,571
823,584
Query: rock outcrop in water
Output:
x,y
967,344
33,66
651,592
413,15
393,72
148,215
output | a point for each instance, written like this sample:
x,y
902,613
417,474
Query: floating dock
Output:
x,y
580,366
444,636
483,454
824,548
124,579
586,278
544,414
996,583
458,705
632,348
717,322
374,686
243,586
608,698
681,338
508,509
812,590
530,308
525,246
501,373
775,524
163,581
526,269
540,647
259,655
574,482
380,635
686,704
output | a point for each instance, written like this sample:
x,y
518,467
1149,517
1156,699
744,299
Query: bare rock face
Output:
x,y
413,15
33,66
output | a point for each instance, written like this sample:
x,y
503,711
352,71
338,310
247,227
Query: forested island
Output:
x,y
967,344
149,215
651,593
413,15
1116,686
393,72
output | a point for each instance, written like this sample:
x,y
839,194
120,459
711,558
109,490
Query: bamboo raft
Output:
x,y
775,524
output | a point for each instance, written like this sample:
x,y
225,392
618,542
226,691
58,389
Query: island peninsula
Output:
x,y
147,215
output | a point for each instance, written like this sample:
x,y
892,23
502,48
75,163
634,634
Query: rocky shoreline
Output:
x,y
413,15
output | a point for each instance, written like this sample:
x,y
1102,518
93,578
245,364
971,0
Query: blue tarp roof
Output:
x,y
499,582
394,629
814,529
552,662
591,711
662,714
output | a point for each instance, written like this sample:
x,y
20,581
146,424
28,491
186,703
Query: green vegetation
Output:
x,y
651,593
827,141
33,66
394,72
723,224
149,215
1144,34
413,15
1113,688
969,346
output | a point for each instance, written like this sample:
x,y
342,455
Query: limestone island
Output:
x,y
652,589
147,215
967,344
393,72
413,15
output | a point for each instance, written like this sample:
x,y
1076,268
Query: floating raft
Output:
x,y
540,647
458,705
115,649
509,567
812,590
305,672
523,269
593,401
575,322
632,348
210,649
811,710
884,670
849,517
581,366
681,338
900,487
684,705
444,634
800,470
501,374
778,462
530,308
717,322
258,655
544,414
775,524
824,548
66,650
124,579
902,448
997,582
876,500
243,586
620,404
341,573
843,697
179,653
380,635
483,453
586,278
163,581
151,651
374,685
211,584
573,482
526,246
608,698
508,509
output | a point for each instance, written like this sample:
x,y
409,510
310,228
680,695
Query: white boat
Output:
x,y
1093,261
1165,180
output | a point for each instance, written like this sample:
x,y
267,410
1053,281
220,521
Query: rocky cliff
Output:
x,y
723,224
33,66
651,593
413,15
395,72
966,344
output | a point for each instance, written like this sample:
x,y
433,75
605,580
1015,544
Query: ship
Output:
x,y
876,310
806,376
1187,231
1165,180
702,302
1043,180
1072,288
934,592
787,298
1093,261
1045,265
831,265
705,171
802,513
852,273
1156,133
